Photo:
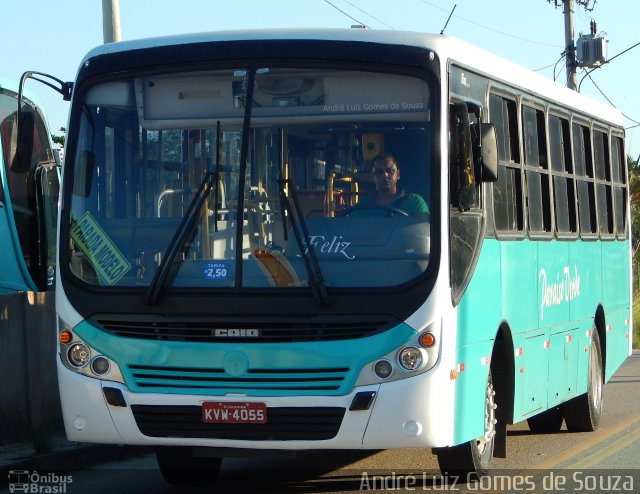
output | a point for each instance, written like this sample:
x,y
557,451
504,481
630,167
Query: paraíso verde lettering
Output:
x,y
565,288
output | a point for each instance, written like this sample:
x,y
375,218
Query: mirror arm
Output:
x,y
63,88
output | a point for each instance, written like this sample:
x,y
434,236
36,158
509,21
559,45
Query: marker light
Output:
x,y
100,365
79,354
427,340
65,336
383,369
410,358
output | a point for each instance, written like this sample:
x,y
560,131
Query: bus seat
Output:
x,y
276,268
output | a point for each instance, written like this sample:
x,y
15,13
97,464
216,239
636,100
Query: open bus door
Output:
x,y
29,198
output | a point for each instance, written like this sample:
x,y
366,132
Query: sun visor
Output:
x,y
204,99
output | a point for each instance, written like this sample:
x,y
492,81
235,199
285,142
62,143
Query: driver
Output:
x,y
386,174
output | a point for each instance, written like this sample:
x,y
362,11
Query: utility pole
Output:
x,y
570,47
110,20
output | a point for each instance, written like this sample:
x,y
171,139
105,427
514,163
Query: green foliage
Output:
x,y
636,320
634,196
59,138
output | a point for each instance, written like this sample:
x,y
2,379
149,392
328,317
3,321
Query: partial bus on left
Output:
x,y
29,188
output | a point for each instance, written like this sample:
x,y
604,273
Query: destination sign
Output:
x,y
105,257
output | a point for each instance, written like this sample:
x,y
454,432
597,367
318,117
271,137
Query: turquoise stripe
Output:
x,y
255,369
548,293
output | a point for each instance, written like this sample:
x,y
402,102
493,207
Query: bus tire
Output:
x,y
583,413
547,421
179,467
473,457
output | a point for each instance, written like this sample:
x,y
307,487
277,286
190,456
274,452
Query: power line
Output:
x,y
503,33
588,74
611,103
608,61
600,90
563,57
343,12
545,67
368,14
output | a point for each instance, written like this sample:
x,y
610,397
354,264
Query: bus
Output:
x,y
234,277
29,188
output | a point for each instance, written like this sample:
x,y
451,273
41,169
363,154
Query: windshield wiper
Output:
x,y
307,251
185,232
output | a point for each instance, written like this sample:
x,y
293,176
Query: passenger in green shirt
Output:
x,y
386,174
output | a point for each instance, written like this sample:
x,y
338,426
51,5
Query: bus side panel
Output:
x,y
478,320
11,276
586,271
519,273
556,283
615,300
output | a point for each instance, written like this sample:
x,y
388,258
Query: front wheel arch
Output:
x,y
472,458
503,374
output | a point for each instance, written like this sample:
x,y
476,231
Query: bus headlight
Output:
x,y
417,354
100,365
383,369
79,354
410,358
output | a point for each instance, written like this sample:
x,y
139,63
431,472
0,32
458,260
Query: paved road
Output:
x,y
606,460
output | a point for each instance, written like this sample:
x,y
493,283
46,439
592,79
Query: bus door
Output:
x,y
29,195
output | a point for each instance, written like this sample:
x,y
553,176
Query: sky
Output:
x,y
53,37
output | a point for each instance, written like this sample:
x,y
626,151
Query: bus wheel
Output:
x,y
582,413
473,457
179,467
549,421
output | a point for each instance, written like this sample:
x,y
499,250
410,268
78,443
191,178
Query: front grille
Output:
x,y
212,379
246,330
283,424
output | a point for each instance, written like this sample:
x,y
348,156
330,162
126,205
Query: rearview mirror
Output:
x,y
487,166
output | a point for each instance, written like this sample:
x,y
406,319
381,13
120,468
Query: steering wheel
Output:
x,y
389,209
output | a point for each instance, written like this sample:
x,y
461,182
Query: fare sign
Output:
x,y
224,412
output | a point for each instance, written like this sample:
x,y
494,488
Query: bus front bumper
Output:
x,y
406,413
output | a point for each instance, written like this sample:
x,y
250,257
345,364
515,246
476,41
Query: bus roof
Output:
x,y
12,86
448,48
9,84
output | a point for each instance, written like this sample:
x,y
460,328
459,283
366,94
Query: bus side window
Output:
x,y
536,170
562,175
7,127
583,168
619,177
462,179
603,183
473,154
507,190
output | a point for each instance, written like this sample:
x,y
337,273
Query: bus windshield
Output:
x,y
252,178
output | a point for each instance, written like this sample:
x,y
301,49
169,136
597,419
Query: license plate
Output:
x,y
224,412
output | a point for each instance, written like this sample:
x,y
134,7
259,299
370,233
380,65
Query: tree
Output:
x,y
59,138
634,199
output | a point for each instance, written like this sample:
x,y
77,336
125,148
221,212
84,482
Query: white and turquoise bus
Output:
x,y
229,279
29,188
